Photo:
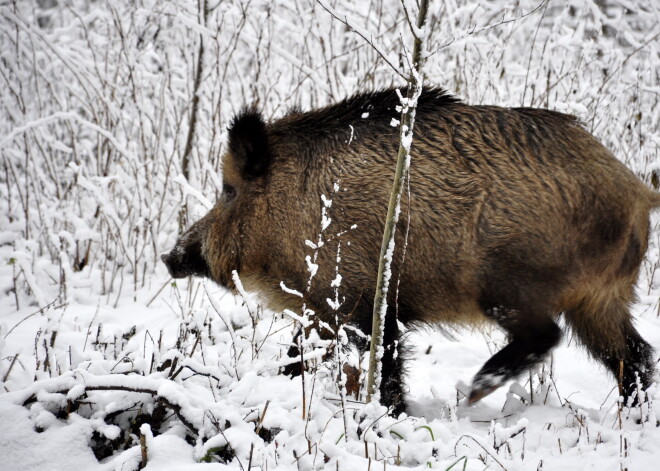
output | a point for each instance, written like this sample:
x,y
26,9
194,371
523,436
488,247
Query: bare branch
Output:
x,y
364,34
476,30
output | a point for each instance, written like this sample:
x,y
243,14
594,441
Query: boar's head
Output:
x,y
233,233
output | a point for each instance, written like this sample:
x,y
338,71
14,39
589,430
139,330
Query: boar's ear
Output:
x,y
248,143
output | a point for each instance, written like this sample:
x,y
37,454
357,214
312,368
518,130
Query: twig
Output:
x,y
611,74
482,447
531,50
185,160
43,309
261,419
486,28
11,365
364,34
409,104
158,292
250,459
143,450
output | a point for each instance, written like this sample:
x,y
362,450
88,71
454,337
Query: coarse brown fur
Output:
x,y
516,215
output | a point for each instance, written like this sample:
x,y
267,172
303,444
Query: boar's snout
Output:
x,y
185,261
170,261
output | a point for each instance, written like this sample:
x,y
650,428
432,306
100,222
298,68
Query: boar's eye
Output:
x,y
228,192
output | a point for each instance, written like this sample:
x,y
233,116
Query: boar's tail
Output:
x,y
654,198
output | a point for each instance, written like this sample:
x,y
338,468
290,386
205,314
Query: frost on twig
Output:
x,y
364,34
475,30
409,104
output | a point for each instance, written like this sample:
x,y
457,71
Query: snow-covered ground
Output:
x,y
572,422
105,362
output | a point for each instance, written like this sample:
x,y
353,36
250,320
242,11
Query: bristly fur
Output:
x,y
248,143
370,109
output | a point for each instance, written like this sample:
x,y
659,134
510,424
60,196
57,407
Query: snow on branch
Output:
x,y
364,34
476,30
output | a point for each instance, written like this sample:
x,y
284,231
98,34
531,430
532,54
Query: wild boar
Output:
x,y
515,215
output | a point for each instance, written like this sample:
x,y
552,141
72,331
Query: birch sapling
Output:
x,y
409,106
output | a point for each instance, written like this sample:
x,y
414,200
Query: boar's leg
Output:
x,y
392,393
391,386
605,328
531,338
294,369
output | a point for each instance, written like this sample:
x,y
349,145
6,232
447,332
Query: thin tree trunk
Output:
x,y
197,79
185,160
403,164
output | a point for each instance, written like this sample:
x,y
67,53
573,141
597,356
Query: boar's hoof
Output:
x,y
483,386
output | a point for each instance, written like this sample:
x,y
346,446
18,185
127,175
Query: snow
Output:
x,y
22,448
289,290
96,340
